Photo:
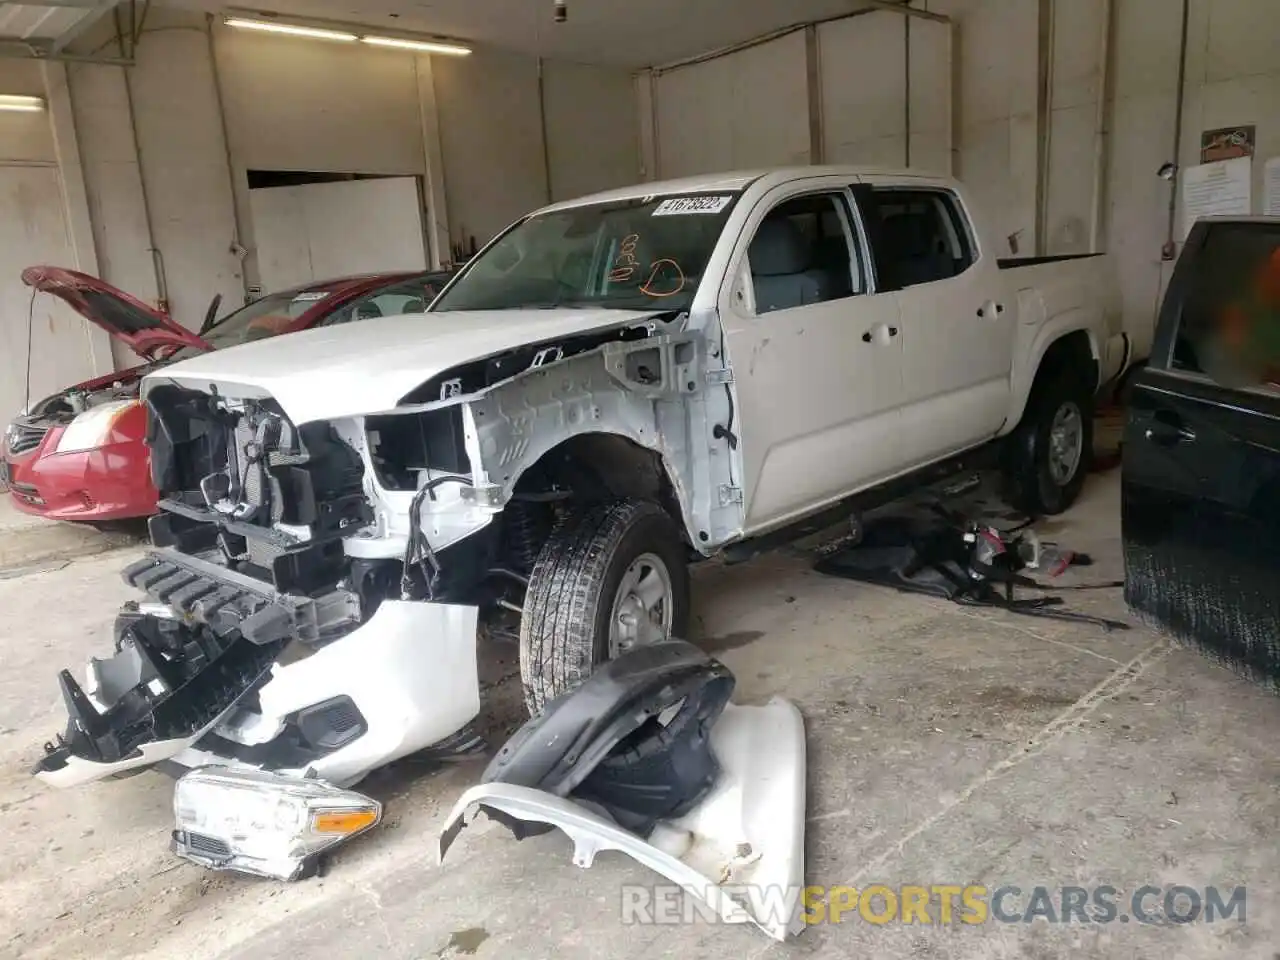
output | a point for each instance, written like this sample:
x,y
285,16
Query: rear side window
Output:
x,y
922,236
1229,329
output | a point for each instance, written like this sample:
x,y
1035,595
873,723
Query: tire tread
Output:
x,y
562,605
1024,474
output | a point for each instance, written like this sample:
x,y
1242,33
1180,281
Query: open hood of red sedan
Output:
x,y
147,332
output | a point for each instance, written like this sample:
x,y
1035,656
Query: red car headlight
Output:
x,y
92,428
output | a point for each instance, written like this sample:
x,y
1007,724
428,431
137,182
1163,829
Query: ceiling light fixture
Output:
x,y
21,103
422,46
314,33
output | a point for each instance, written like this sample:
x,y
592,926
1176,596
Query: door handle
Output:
x,y
990,309
874,333
1168,431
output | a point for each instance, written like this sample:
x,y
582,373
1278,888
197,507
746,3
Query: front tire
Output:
x,y
608,579
1051,449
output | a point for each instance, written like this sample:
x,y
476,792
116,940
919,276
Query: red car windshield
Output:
x,y
265,317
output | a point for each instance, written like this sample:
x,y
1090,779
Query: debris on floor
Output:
x,y
928,549
648,757
48,566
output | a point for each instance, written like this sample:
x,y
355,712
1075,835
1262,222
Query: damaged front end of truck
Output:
x,y
331,538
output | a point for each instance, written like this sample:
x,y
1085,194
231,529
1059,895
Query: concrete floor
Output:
x,y
946,746
30,544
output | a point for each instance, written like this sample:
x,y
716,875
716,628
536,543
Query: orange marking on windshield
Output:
x,y
627,252
625,263
678,281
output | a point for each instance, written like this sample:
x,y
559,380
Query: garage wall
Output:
x,y
334,107
1232,77
750,108
742,110
113,183
996,126
24,137
36,227
865,122
211,103
33,229
593,140
309,232
491,141
340,107
156,174
975,107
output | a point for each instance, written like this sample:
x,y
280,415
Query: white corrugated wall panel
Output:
x,y
745,109
864,91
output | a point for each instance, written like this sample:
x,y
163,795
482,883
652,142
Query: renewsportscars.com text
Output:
x,y
945,904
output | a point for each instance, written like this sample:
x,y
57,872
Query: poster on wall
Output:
x,y
1271,185
1220,189
1227,143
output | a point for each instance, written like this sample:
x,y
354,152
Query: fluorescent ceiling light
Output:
x,y
314,32
20,102
423,46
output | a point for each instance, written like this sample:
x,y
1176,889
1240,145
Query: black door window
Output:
x,y
1229,329
922,236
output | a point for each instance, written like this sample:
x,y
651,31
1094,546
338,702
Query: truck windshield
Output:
x,y
631,255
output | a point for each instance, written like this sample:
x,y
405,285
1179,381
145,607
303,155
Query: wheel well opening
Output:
x,y
1070,352
599,466
589,468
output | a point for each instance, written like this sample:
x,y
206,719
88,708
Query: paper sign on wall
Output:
x,y
1220,189
1271,188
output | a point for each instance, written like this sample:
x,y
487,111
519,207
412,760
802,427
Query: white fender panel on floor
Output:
x,y
741,850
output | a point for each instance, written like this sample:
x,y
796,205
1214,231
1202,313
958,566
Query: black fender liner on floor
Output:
x,y
633,737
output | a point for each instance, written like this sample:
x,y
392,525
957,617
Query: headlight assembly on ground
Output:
x,y
262,823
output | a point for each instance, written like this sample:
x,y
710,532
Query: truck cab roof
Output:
x,y
739,180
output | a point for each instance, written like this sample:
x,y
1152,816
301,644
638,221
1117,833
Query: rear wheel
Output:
x,y
609,579
1051,449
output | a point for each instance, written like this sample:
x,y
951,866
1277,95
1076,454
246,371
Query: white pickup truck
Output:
x,y
615,386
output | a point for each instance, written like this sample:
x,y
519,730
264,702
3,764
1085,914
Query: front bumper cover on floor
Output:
x,y
405,680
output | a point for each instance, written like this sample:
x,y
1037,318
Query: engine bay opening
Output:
x,y
406,448
243,466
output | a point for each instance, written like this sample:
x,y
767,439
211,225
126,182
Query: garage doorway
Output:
x,y
33,230
310,227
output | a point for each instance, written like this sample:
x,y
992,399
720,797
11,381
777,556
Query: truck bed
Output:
x,y
1059,285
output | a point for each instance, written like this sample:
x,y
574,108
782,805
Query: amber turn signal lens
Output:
x,y
343,821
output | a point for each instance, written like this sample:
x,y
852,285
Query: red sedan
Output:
x,y
80,454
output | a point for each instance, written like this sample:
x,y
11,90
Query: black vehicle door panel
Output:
x,y
1201,493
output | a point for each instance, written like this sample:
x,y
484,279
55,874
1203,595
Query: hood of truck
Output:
x,y
362,368
147,332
